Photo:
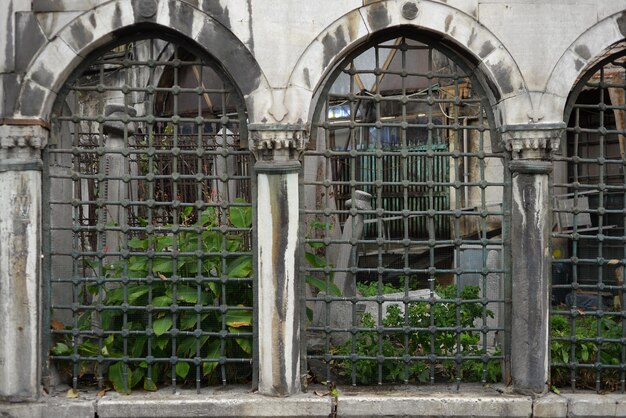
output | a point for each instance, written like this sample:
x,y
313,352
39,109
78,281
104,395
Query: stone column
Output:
x,y
352,230
20,260
531,223
225,166
119,133
277,149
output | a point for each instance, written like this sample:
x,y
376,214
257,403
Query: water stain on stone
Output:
x,y
621,23
233,55
180,17
583,51
333,43
486,49
447,22
8,50
307,77
472,37
502,74
208,33
378,16
43,76
28,40
353,24
251,32
215,9
117,17
280,234
579,64
21,202
10,88
80,35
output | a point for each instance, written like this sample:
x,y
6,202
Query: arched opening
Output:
x,y
148,221
588,235
404,228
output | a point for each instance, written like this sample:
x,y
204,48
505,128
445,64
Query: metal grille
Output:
x,y
148,223
587,323
404,225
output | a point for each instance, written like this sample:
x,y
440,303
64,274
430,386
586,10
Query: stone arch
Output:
x,y
362,140
57,59
581,55
129,76
457,29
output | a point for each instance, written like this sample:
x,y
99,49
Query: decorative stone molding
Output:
x,y
21,145
277,143
532,141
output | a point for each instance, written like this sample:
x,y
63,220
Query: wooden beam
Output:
x,y
207,99
392,53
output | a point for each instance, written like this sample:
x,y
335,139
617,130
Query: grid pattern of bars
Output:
x,y
404,226
393,195
588,240
148,223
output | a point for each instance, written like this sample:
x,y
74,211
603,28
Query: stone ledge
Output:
x,y
550,405
406,401
420,402
215,403
593,405
59,409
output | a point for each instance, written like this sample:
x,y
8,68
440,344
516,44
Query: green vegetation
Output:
x,y
444,342
371,289
317,260
590,343
171,315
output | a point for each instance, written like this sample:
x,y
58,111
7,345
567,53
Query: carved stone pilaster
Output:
x,y
533,141
532,147
277,143
20,271
278,149
20,147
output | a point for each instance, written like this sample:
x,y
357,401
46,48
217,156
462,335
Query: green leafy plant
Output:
x,y
371,289
588,342
321,285
161,306
444,342
316,259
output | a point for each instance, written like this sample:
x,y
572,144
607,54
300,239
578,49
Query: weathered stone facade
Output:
x,y
279,55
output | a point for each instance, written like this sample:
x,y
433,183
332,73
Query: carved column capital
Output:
x,y
532,141
277,144
21,145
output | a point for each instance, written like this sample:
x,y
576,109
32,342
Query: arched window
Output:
x,y
148,221
404,188
588,236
